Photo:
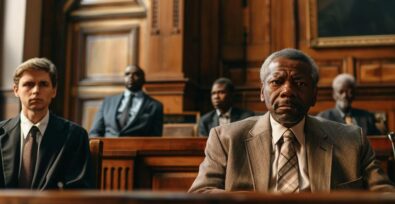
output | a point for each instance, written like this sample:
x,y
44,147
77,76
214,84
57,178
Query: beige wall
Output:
x,y
18,46
12,49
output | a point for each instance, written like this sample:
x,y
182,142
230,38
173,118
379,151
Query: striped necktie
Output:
x,y
288,171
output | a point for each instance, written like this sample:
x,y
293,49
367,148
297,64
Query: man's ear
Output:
x,y
262,96
55,91
15,88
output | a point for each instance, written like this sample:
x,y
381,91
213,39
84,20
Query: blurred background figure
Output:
x,y
343,93
132,113
224,113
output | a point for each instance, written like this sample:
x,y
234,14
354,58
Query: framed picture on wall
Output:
x,y
347,23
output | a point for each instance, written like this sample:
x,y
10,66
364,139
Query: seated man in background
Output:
x,y
132,113
343,93
38,149
286,150
221,98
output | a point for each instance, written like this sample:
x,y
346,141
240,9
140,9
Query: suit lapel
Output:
x,y
214,121
259,146
51,142
114,110
10,150
319,156
338,116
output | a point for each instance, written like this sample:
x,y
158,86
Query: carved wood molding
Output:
x,y
155,30
176,17
105,9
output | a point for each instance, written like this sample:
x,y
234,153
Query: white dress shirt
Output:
x,y
223,118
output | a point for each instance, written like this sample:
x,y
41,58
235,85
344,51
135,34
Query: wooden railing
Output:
x,y
171,164
96,197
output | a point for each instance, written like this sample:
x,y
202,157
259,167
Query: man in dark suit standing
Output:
x,y
221,98
343,93
132,113
40,150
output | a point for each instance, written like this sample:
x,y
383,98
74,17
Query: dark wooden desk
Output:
x,y
136,197
171,164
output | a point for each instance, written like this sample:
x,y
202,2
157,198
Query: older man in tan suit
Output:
x,y
287,150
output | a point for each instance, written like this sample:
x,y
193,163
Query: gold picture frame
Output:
x,y
347,39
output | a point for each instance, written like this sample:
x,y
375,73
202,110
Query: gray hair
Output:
x,y
41,64
227,82
293,54
343,78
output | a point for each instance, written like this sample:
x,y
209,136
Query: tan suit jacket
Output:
x,y
338,157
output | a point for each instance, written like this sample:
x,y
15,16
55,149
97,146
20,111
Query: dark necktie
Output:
x,y
29,156
288,173
124,115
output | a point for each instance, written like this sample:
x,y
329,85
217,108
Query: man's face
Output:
x,y
220,97
343,94
134,79
288,90
35,90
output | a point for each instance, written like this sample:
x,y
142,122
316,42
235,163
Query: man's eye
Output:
x,y
301,83
44,84
28,84
276,82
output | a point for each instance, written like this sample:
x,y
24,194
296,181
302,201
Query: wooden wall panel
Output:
x,y
376,71
329,69
98,48
105,49
90,109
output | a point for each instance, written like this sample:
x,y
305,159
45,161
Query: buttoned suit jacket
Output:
x,y
238,158
364,119
211,119
63,158
148,121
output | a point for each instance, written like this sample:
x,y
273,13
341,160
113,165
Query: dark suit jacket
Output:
x,y
148,121
238,158
211,119
63,157
364,119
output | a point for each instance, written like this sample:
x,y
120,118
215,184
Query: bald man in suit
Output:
x,y
132,113
286,150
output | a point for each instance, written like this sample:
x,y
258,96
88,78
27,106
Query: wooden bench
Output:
x,y
171,164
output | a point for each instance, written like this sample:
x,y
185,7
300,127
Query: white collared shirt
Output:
x,y
136,103
223,118
277,132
